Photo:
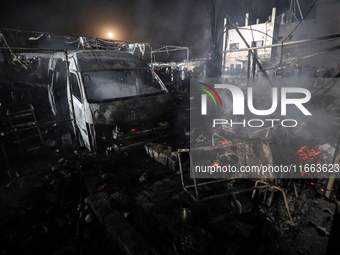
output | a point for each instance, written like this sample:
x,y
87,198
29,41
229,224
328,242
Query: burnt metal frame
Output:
x,y
195,185
275,187
168,48
196,196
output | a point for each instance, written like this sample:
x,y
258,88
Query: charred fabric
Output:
x,y
95,149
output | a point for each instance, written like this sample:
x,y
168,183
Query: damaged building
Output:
x,y
289,40
101,154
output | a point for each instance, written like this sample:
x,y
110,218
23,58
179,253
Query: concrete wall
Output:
x,y
252,33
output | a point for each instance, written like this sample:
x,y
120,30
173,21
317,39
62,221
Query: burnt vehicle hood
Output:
x,y
131,110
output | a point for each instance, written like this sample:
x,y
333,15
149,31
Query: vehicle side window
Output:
x,y
75,86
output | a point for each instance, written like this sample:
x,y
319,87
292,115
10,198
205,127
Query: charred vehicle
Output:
x,y
119,103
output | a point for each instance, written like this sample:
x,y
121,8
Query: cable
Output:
x,y
259,31
300,21
312,6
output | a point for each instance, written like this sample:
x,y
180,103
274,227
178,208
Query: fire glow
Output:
x,y
223,142
216,164
308,153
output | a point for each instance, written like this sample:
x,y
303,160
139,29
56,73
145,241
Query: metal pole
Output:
x,y
193,176
248,71
224,44
298,5
151,57
253,53
328,37
187,55
336,160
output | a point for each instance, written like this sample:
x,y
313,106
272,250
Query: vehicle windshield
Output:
x,y
112,84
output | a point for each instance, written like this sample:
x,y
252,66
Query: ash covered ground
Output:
x,y
55,202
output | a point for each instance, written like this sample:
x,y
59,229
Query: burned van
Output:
x,y
119,103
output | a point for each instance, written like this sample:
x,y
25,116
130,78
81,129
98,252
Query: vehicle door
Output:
x,y
79,109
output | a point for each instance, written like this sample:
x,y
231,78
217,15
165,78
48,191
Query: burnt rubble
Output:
x,y
57,197
58,203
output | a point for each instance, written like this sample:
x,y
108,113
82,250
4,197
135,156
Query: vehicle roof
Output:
x,y
93,60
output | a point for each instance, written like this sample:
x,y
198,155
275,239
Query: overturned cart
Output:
x,y
118,103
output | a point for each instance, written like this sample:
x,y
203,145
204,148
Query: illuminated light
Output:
x,y
312,183
110,35
133,130
322,190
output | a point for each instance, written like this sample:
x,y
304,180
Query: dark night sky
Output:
x,y
172,22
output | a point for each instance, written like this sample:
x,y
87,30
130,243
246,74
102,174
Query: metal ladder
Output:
x,y
24,127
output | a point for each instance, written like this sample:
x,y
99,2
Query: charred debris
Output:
x,y
92,176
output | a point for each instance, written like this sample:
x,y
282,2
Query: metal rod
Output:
x,y
298,5
328,37
160,51
248,69
194,177
181,171
31,49
329,186
151,58
54,122
336,159
187,55
234,192
208,148
224,43
278,188
285,199
212,182
254,191
295,190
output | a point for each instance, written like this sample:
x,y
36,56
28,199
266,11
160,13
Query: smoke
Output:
x,y
176,22
182,23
